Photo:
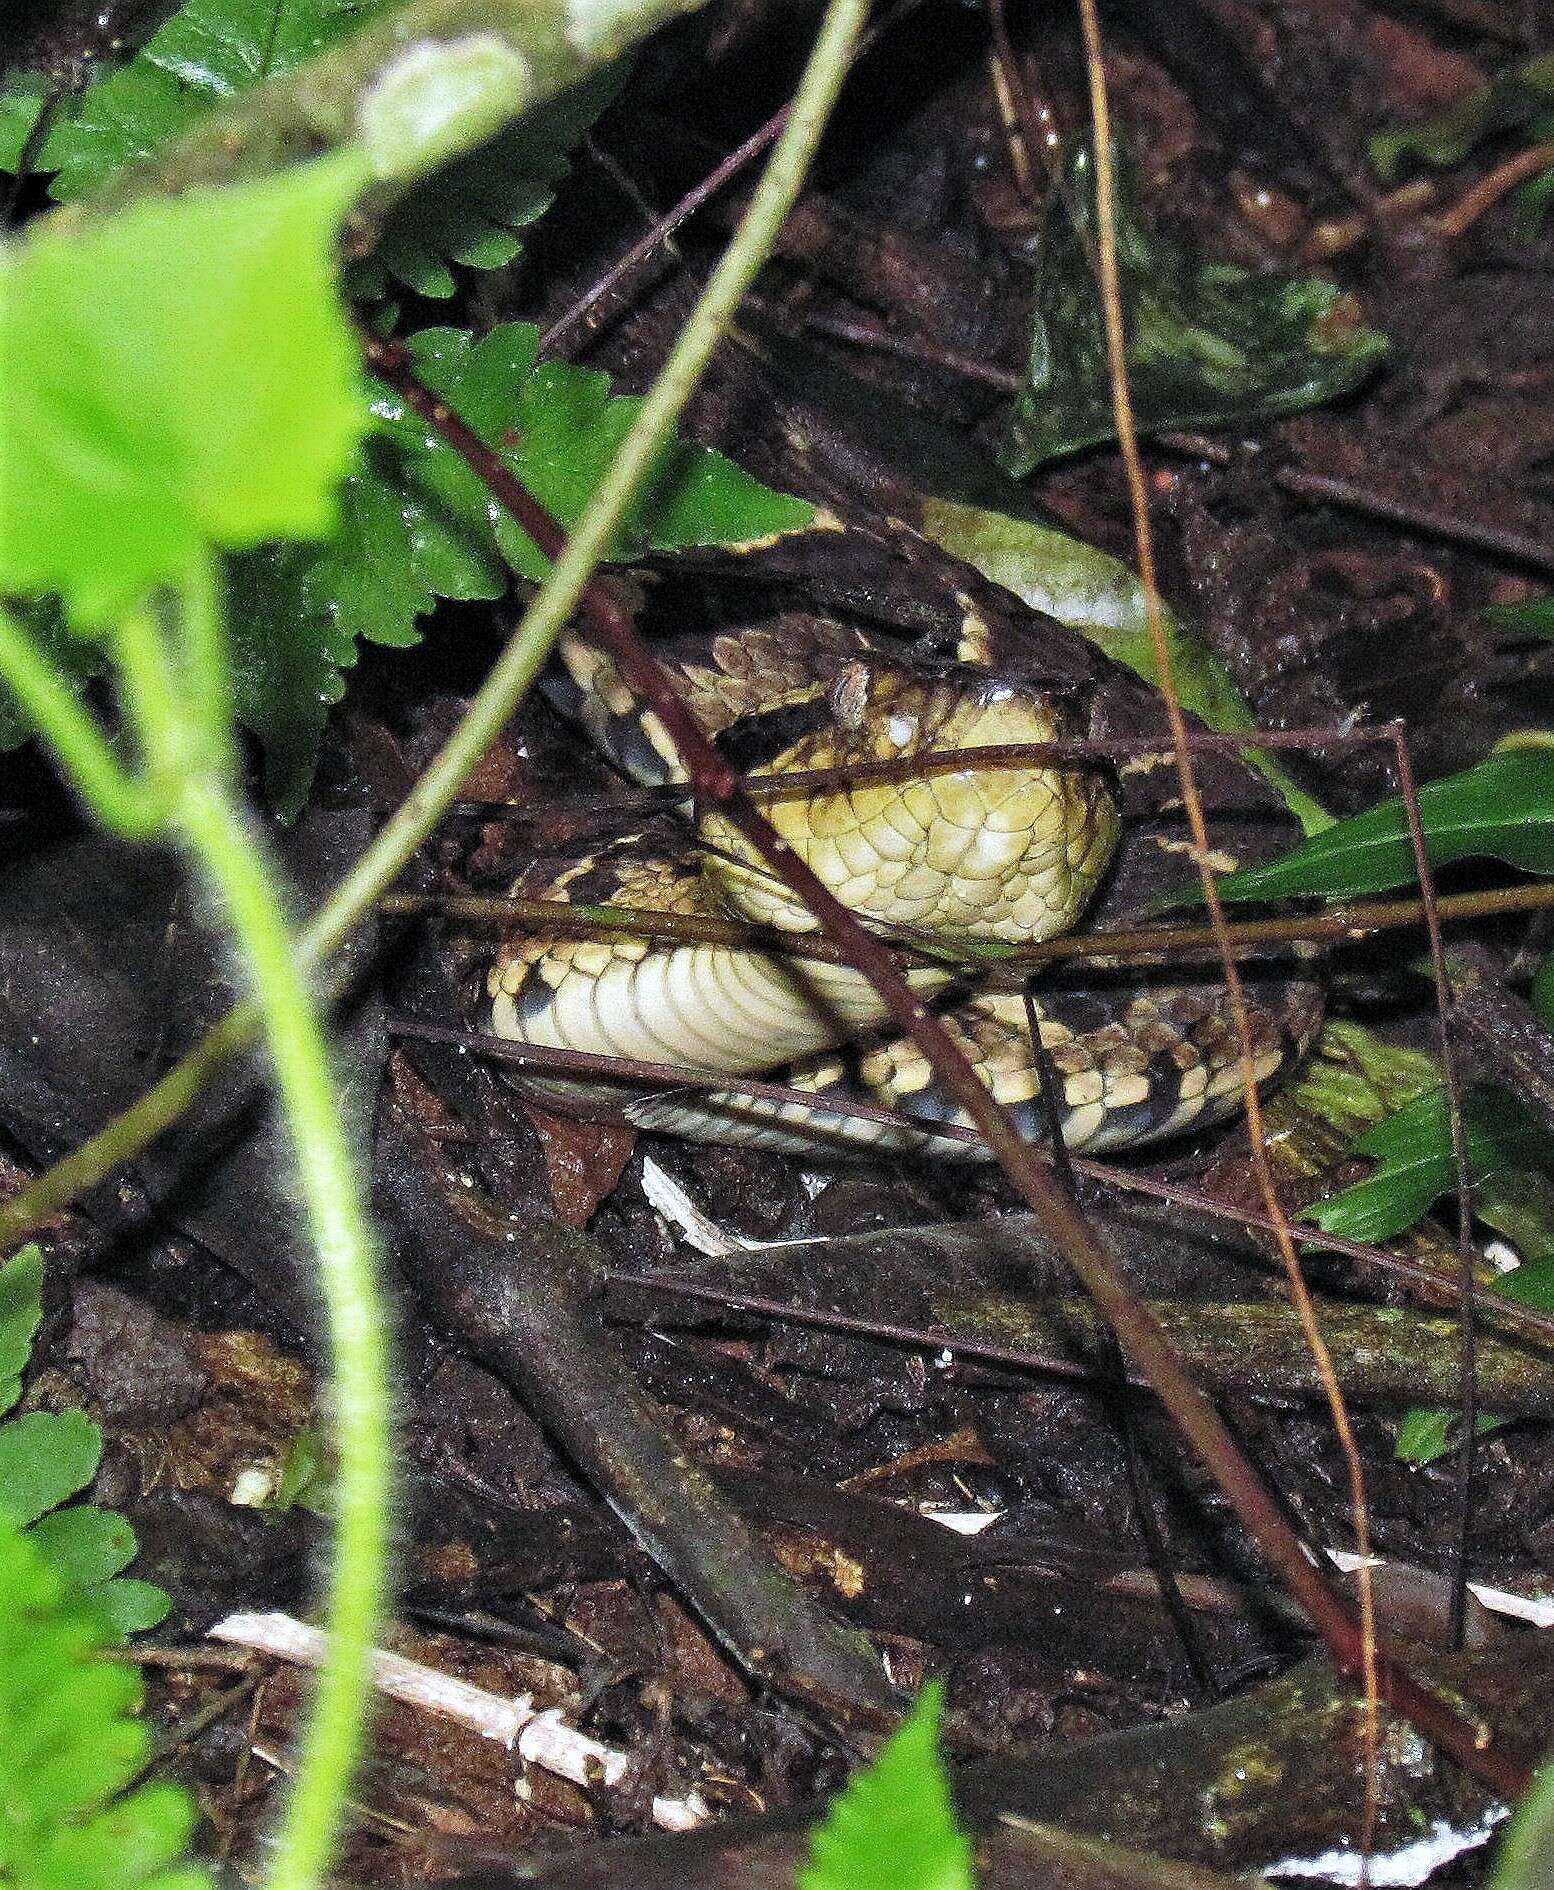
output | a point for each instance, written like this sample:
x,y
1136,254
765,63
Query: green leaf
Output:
x,y
178,374
1209,344
1413,1153
210,51
70,1745
1522,1861
416,525
86,1544
1098,595
207,53
1532,619
1520,100
1424,1435
132,1607
1531,1284
45,1458
1501,808
21,1313
472,211
894,1827
1542,993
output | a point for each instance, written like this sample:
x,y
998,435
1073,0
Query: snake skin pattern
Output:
x,y
994,853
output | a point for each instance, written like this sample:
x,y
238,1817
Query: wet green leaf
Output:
x,y
1502,808
178,374
211,51
415,525
1097,594
1532,619
1415,1168
1424,1435
1209,344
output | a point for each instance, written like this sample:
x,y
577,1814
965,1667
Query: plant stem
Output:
x,y
174,683
120,800
233,858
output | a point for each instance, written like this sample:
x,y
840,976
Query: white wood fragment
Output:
x,y
541,1738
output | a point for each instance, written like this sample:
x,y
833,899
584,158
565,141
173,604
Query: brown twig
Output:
x,y
1349,923
1515,547
1460,217
1467,1399
544,1059
661,231
1332,1620
718,785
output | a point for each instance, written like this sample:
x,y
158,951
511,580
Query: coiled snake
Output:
x,y
992,852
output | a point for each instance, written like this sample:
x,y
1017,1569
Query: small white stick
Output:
x,y
542,1738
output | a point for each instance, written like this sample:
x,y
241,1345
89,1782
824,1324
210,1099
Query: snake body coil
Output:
x,y
993,852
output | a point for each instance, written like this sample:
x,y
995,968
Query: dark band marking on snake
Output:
x,y
992,853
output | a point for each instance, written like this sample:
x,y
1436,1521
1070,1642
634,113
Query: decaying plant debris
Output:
x,y
670,1469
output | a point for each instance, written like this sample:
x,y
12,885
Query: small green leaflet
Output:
x,y
1522,100
71,1746
1414,1160
46,1457
142,416
1209,344
894,1827
1423,1435
416,525
213,50
1502,808
1532,619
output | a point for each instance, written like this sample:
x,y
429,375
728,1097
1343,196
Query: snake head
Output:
x,y
995,851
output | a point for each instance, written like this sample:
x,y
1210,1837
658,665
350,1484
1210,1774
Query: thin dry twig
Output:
x,y
1122,945
1459,218
1452,1083
1133,464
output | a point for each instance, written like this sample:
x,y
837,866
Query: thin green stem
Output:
x,y
122,801
206,659
519,662
234,858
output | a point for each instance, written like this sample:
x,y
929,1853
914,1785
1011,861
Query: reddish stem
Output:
x,y
717,784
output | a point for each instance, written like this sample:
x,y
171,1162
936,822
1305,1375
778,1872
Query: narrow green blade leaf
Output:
x,y
1208,343
1532,619
1502,808
894,1827
149,410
